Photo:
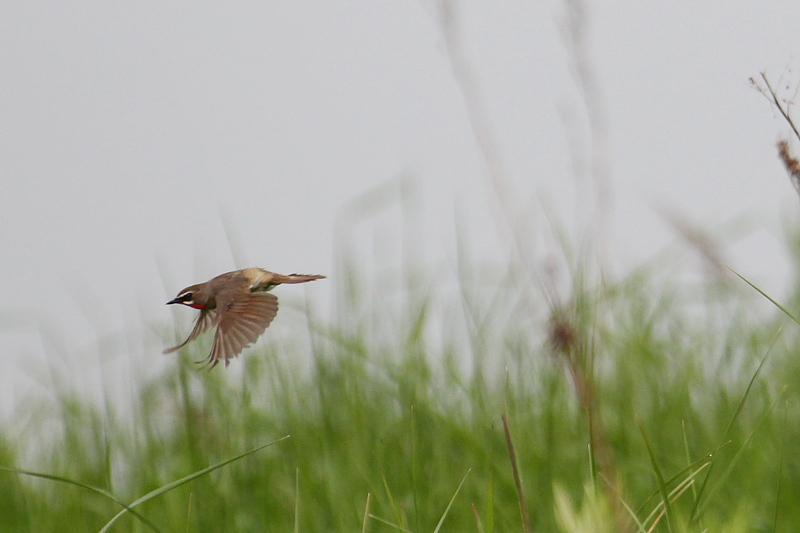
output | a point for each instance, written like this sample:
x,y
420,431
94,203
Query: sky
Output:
x,y
146,147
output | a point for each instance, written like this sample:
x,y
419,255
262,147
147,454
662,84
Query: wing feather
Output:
x,y
202,323
242,319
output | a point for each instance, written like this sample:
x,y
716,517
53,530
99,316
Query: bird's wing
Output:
x,y
242,318
204,321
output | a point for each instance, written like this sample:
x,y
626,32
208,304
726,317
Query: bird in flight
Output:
x,y
238,305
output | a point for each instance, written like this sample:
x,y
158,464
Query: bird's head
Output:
x,y
189,297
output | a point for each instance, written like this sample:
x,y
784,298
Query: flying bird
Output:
x,y
238,305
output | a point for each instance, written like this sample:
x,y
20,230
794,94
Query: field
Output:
x,y
502,402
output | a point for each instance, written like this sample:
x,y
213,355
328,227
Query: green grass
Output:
x,y
628,403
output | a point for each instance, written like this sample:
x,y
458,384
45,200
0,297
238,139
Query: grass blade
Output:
x,y
765,295
447,510
177,483
699,464
523,511
397,514
97,490
490,492
736,413
382,521
660,479
736,457
366,515
414,467
673,495
780,467
478,522
297,501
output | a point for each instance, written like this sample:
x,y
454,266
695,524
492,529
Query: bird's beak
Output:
x,y
174,301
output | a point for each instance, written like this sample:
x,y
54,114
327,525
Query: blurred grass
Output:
x,y
397,398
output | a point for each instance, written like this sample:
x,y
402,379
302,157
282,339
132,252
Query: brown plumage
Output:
x,y
238,305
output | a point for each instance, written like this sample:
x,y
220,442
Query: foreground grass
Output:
x,y
614,401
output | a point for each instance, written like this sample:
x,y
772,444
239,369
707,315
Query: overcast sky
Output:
x,y
137,138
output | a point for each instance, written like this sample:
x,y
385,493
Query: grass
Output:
x,y
625,407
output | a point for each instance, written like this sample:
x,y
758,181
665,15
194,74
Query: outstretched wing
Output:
x,y
204,321
241,320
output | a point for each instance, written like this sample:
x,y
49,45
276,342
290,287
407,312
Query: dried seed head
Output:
x,y
792,164
562,339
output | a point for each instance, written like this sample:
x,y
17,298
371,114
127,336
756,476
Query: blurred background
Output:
x,y
147,147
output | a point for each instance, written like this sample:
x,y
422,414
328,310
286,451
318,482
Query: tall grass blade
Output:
x,y
729,469
478,522
395,526
688,456
632,514
659,478
523,511
398,515
732,421
780,467
449,505
490,491
191,477
110,496
414,474
699,464
765,295
297,500
673,495
366,515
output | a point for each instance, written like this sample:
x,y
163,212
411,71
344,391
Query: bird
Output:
x,y
238,304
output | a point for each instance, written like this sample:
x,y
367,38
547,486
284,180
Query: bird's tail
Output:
x,y
296,278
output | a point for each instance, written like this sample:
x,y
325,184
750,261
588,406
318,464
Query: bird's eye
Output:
x,y
186,297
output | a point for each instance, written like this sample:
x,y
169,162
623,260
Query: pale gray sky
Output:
x,y
128,133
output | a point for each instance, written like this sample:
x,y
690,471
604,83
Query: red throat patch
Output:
x,y
197,306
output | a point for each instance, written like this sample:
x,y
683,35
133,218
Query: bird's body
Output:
x,y
238,305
